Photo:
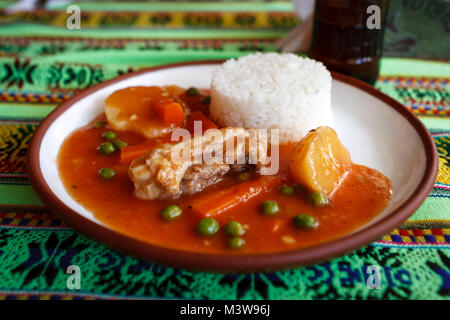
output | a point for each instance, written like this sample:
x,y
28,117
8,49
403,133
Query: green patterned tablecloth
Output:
x,y
42,63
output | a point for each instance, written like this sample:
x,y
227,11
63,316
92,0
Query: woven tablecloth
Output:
x,y
42,63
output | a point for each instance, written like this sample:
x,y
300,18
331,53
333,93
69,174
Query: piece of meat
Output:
x,y
241,167
199,176
189,166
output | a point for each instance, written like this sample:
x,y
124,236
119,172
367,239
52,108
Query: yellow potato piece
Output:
x,y
320,161
130,109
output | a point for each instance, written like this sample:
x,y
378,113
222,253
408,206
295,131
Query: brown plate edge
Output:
x,y
233,263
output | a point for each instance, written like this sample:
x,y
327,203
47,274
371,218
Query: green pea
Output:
x,y
100,124
192,91
298,188
305,221
118,144
106,148
106,173
206,100
207,226
236,243
234,228
245,176
318,199
269,208
287,190
170,212
109,135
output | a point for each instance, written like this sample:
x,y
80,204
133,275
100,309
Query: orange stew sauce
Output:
x,y
362,195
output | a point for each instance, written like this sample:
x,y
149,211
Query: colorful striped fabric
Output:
x,y
43,64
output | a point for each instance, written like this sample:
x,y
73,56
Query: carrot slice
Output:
x,y
199,116
169,111
214,204
129,153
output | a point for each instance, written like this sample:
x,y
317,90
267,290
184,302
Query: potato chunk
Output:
x,y
131,109
320,161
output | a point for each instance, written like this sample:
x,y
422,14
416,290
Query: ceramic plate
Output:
x,y
378,131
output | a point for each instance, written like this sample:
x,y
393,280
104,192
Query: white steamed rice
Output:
x,y
272,91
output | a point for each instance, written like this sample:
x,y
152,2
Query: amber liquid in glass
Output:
x,y
342,40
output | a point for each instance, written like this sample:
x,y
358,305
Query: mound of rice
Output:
x,y
272,90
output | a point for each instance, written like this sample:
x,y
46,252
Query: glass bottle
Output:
x,y
348,36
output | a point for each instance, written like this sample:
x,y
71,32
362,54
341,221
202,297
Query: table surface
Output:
x,y
42,64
